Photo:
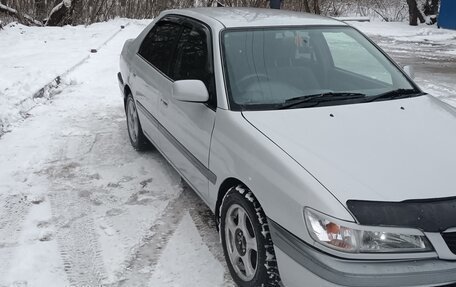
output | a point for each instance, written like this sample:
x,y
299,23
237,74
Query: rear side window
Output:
x,y
193,60
159,45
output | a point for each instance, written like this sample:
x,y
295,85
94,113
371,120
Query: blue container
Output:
x,y
447,15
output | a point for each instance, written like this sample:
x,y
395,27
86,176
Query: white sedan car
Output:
x,y
324,163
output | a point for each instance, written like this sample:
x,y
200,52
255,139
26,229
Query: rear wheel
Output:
x,y
247,243
137,138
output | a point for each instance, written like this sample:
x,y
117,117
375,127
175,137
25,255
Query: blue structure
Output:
x,y
447,15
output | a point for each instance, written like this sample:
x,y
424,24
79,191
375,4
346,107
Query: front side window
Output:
x,y
193,59
159,45
273,68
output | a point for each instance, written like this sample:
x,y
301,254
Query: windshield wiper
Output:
x,y
395,94
318,98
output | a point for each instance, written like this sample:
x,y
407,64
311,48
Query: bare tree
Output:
x,y
414,13
89,11
58,14
316,7
40,9
77,16
23,18
431,7
306,6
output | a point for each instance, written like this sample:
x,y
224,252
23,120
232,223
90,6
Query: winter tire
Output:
x,y
246,240
137,138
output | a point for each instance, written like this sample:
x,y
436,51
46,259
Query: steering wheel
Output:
x,y
245,80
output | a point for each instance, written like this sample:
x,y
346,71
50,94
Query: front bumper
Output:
x,y
301,264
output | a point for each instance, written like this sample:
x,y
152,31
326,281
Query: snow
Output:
x,y
77,203
175,267
401,31
31,57
353,19
78,206
429,49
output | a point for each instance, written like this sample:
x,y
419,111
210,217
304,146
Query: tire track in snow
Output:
x,y
77,238
144,261
13,210
148,254
205,222
71,186
69,193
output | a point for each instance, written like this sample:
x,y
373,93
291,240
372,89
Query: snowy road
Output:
x,y
78,206
431,51
435,68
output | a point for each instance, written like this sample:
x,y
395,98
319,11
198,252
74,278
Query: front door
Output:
x,y
187,127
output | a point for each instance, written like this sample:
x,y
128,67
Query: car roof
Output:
x,y
256,17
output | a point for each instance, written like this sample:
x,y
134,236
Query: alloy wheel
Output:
x,y
241,242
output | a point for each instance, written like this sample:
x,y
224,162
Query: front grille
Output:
x,y
450,239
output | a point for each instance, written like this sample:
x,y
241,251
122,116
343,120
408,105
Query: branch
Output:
x,y
94,16
383,17
13,12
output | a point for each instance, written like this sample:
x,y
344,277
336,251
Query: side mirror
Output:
x,y
410,71
190,91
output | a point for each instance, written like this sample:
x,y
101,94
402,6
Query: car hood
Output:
x,y
384,151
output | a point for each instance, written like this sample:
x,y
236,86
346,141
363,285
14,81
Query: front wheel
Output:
x,y
246,240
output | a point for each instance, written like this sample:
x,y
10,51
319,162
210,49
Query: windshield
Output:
x,y
269,68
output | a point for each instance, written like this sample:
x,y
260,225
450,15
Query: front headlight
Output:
x,y
353,238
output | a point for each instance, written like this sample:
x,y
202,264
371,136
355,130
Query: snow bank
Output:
x,y
31,57
401,31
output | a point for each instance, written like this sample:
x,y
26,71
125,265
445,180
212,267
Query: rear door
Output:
x,y
151,70
188,126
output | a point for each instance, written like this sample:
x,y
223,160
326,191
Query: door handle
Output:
x,y
165,103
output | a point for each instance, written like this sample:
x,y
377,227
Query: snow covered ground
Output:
x,y
402,31
431,51
78,206
31,57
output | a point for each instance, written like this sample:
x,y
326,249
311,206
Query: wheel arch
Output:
x,y
223,190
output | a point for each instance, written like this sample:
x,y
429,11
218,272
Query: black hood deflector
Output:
x,y
429,215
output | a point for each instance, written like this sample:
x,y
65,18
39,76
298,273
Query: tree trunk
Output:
x,y
40,9
431,7
413,15
98,10
77,16
306,6
66,13
316,6
58,15
435,7
420,15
